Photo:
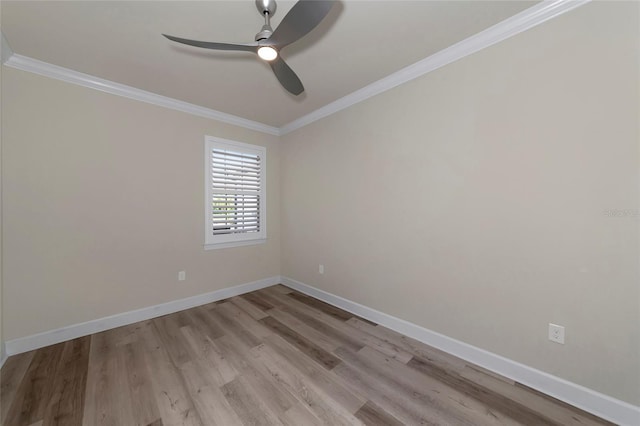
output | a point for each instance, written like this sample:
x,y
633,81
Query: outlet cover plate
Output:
x,y
556,333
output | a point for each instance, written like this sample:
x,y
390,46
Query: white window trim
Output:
x,y
235,240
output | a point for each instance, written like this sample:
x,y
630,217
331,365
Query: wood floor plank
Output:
x,y
304,330
490,399
142,398
270,297
110,397
101,382
174,403
225,320
201,320
486,372
372,415
11,376
209,400
299,415
408,398
66,403
383,396
281,289
547,407
277,398
319,322
375,341
123,411
337,313
342,332
251,309
256,300
247,405
32,396
243,319
126,334
214,363
448,401
445,405
273,356
409,346
168,329
578,417
330,383
306,346
324,407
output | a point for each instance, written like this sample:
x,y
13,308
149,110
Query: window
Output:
x,y
235,193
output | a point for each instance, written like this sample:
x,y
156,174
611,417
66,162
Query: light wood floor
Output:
x,y
273,356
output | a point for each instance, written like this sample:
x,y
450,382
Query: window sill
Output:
x,y
234,244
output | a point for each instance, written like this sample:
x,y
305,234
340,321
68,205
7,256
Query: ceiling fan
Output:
x,y
303,17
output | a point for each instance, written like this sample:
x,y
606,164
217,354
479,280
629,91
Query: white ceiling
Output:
x,y
358,43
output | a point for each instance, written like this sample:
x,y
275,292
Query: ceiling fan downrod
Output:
x,y
266,8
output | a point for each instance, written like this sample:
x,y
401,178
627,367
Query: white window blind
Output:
x,y
235,193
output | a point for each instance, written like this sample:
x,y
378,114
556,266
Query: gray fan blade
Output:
x,y
286,76
217,46
301,19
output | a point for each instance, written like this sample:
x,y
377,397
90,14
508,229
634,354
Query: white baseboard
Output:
x,y
35,341
579,396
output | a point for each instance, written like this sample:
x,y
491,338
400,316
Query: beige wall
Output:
x,y
471,201
104,203
1,334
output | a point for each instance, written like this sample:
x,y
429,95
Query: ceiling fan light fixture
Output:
x,y
267,53
303,17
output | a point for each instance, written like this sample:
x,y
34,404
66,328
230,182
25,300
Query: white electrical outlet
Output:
x,y
321,269
182,275
556,333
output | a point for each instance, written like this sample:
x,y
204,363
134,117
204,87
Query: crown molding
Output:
x,y
503,30
510,27
70,76
5,49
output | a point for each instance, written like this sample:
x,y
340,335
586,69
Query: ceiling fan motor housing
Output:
x,y
264,33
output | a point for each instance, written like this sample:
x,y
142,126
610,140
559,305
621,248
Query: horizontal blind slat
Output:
x,y
233,231
236,187
239,165
224,173
221,214
217,152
